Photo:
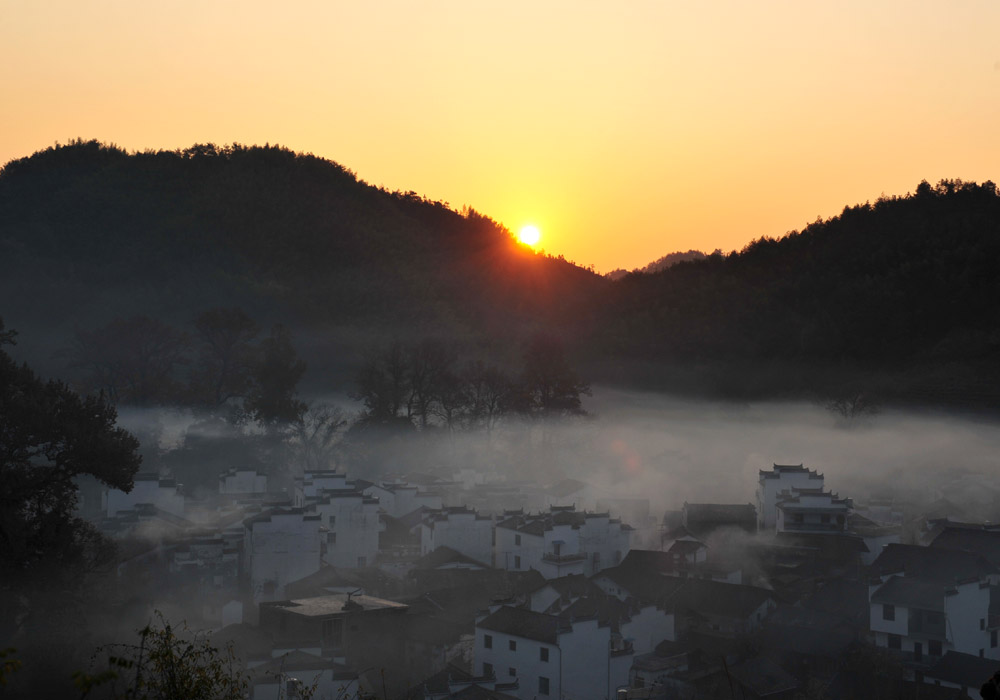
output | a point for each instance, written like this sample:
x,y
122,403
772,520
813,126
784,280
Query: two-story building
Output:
x,y
781,477
560,542
460,528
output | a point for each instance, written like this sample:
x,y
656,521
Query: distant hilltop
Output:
x,y
661,264
894,299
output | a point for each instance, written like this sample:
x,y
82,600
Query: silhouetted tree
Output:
x,y
133,360
226,357
383,384
48,436
549,386
271,400
490,394
314,440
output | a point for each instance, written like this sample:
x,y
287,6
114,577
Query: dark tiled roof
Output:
x,y
519,622
931,563
977,539
722,599
446,555
911,593
763,677
963,669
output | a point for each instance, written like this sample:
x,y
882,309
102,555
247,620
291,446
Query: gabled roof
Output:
x,y
910,592
980,539
570,586
519,622
646,586
446,555
962,669
931,563
763,677
708,597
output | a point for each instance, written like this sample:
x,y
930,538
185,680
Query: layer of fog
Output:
x,y
669,450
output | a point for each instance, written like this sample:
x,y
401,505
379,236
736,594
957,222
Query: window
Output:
x,y
332,538
332,520
512,672
361,562
797,518
557,548
618,556
517,540
517,562
825,519
487,670
543,685
918,651
597,560
512,645
488,641
895,641
543,654
934,647
982,623
993,639
888,612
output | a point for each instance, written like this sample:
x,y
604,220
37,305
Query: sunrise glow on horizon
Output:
x,y
628,131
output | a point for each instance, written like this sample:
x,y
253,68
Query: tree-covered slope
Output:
x,y
907,283
89,232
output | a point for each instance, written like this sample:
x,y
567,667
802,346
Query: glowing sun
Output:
x,y
529,235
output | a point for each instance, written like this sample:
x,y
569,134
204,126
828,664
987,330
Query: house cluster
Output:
x,y
399,589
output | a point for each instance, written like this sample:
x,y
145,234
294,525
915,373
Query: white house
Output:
x,y
399,498
459,528
148,489
781,477
812,510
550,655
925,602
561,542
280,546
311,483
352,524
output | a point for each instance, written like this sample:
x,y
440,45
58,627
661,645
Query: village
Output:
x,y
467,585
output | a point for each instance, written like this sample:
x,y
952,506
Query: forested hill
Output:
x,y
902,295
89,233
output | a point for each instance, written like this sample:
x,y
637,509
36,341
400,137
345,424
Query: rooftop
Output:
x,y
335,604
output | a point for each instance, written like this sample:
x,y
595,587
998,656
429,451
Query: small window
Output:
x,y
512,672
517,540
332,538
488,641
895,641
543,654
597,560
888,612
993,639
982,623
332,520
512,645
934,647
517,562
361,561
487,670
543,685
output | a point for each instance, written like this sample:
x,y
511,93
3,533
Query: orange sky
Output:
x,y
624,131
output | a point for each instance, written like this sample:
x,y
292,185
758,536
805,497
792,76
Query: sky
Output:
x,y
623,131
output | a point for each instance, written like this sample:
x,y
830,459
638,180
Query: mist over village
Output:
x,y
456,352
